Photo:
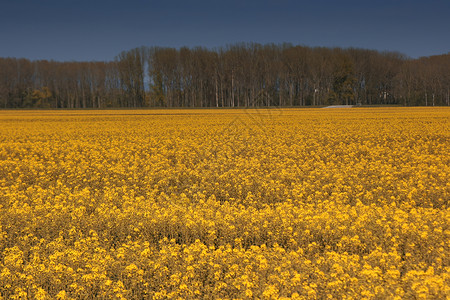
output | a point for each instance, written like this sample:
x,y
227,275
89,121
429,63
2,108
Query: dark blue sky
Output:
x,y
66,30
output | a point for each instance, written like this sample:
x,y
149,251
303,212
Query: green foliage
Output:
x,y
157,90
37,98
344,81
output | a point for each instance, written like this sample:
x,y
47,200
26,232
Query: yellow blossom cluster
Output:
x,y
225,204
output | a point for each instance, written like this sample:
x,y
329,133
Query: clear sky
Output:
x,y
85,30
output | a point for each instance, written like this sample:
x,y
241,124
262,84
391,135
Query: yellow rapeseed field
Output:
x,y
231,204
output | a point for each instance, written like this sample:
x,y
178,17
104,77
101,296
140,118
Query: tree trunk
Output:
x,y
232,89
217,93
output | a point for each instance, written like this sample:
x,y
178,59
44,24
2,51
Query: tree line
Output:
x,y
239,75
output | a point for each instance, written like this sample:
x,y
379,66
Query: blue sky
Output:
x,y
80,30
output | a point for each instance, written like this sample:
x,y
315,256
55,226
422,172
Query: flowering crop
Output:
x,y
209,204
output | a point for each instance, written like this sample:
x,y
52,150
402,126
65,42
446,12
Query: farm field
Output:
x,y
231,204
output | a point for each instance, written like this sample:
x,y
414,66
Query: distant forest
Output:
x,y
239,75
